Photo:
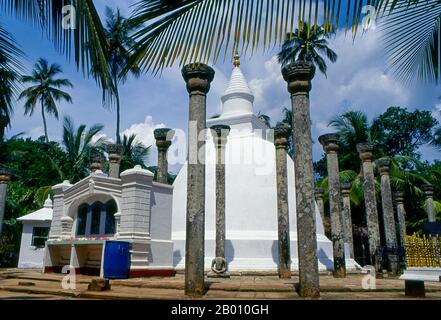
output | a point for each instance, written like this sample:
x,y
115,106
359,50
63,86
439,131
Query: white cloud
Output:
x,y
144,131
35,132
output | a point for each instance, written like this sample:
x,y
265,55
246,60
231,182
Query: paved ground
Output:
x,y
26,284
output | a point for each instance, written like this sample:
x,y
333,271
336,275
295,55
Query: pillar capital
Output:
x,y
198,77
299,76
220,133
366,151
163,138
96,162
346,189
399,197
428,190
282,132
5,176
383,166
115,152
330,142
319,193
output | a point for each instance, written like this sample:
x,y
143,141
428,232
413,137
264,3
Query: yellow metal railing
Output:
x,y
423,251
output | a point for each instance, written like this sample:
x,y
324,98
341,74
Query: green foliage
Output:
x,y
354,128
135,153
403,132
397,134
35,168
78,145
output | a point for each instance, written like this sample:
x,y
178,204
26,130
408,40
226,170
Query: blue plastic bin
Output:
x,y
117,260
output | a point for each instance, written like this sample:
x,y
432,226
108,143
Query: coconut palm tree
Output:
x,y
79,143
45,90
135,153
118,33
354,128
10,69
307,45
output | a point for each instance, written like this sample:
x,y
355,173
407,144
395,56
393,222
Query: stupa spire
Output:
x,y
238,98
236,60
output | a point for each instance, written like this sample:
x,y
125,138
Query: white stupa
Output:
x,y
251,193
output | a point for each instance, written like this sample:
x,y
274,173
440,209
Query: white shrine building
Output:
x,y
131,208
251,193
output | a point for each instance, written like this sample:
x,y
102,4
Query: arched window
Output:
x,y
96,220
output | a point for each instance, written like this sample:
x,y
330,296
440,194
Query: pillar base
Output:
x,y
225,275
415,289
285,274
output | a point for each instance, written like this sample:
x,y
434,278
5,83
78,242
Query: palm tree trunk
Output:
x,y
118,110
44,122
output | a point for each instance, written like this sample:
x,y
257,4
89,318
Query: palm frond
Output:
x,y
411,37
204,30
10,52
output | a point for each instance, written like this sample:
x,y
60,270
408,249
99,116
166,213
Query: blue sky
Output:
x,y
358,81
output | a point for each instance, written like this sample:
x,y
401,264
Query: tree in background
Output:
x,y
45,90
307,45
135,153
404,132
79,143
353,128
118,33
35,167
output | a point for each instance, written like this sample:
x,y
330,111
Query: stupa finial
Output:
x,y
236,60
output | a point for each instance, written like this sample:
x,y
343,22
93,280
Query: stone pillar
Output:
x,y
281,136
401,214
430,207
163,138
5,177
198,78
115,152
330,146
366,155
348,235
219,265
319,193
56,231
390,232
299,76
383,166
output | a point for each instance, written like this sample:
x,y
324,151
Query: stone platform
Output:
x,y
48,286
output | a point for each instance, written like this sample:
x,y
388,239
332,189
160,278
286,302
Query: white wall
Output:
x,y
160,226
30,256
